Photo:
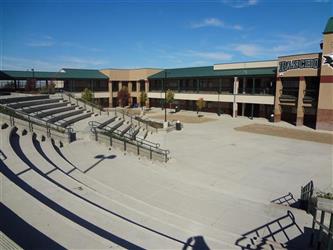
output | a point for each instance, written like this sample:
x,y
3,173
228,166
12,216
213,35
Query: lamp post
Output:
x,y
33,77
164,85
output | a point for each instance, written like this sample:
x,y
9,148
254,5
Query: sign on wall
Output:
x,y
312,63
328,60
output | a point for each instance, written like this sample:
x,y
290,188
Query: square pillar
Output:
x,y
146,91
110,94
235,92
277,106
300,108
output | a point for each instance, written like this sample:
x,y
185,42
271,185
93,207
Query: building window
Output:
x,y
115,86
133,86
142,86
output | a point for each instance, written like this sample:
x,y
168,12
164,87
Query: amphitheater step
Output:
x,y
114,125
63,115
7,100
142,134
52,111
43,107
105,123
33,103
72,119
7,243
123,128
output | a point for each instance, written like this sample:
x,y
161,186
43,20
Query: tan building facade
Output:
x,y
135,80
304,86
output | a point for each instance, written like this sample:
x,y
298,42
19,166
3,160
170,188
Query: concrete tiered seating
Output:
x,y
121,130
142,133
62,115
37,108
10,99
53,110
92,208
72,119
36,209
97,209
114,125
107,122
33,103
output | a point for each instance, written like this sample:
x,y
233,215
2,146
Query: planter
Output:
x,y
325,204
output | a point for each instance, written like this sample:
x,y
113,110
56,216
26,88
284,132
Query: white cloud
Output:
x,y
240,3
282,44
52,64
248,49
215,22
215,55
43,41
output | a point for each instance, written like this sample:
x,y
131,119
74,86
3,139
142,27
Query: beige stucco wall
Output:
x,y
298,72
257,99
327,50
129,74
246,65
326,96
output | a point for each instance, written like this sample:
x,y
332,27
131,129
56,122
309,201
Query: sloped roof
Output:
x,y
83,73
21,74
209,71
329,26
61,75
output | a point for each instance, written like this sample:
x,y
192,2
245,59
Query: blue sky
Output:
x,y
49,35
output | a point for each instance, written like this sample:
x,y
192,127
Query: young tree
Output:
x,y
30,85
123,96
143,98
170,97
200,104
87,95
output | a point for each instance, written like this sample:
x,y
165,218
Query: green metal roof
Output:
x,y
64,74
20,74
83,74
210,72
329,26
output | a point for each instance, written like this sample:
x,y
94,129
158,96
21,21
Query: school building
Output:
x,y
295,88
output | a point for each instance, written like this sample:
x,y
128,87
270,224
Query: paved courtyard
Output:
x,y
218,179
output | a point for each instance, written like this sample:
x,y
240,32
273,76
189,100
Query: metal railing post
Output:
x,y
322,218
151,153
330,235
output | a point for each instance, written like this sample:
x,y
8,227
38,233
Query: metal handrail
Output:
x,y
142,143
322,227
31,119
92,105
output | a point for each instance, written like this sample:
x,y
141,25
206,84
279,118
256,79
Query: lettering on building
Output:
x,y
299,64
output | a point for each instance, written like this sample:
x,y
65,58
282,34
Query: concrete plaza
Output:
x,y
219,182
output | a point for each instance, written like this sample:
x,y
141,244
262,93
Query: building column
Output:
x,y
235,92
277,106
300,108
244,85
146,91
110,94
129,87
138,93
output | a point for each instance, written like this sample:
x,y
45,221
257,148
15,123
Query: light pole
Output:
x,y
33,78
165,111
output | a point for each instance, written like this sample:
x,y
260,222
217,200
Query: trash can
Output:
x,y
178,125
271,118
176,109
72,136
